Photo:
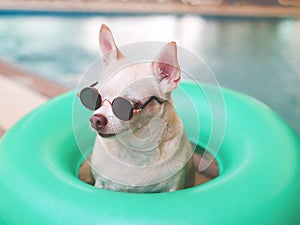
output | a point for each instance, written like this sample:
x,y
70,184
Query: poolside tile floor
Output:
x,y
267,8
2,131
16,101
20,93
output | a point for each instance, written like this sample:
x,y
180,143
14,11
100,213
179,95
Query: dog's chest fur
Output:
x,y
134,164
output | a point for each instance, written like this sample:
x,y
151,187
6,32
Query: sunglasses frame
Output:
x,y
134,108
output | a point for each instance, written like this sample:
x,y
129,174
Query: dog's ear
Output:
x,y
109,49
166,68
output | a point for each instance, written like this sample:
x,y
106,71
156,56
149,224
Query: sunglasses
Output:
x,y
123,108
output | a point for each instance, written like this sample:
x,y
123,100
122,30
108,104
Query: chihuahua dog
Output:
x,y
141,145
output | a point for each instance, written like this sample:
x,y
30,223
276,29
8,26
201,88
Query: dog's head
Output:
x,y
132,94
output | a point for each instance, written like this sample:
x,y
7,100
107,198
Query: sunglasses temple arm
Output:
x,y
92,85
160,101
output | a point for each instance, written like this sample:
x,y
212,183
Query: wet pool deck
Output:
x,y
266,8
21,92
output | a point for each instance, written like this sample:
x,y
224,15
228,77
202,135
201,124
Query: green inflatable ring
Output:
x,y
258,184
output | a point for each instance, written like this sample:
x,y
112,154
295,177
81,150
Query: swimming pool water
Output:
x,y
259,57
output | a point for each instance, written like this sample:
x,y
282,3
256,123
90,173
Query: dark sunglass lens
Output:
x,y
122,108
90,98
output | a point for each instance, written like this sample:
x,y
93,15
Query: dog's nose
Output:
x,y
98,121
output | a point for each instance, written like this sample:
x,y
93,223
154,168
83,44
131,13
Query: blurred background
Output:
x,y
251,46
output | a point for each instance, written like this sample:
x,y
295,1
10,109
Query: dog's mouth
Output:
x,y
106,135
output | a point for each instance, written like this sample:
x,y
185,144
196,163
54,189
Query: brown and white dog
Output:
x,y
149,150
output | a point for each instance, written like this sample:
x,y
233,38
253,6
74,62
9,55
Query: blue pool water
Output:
x,y
260,57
